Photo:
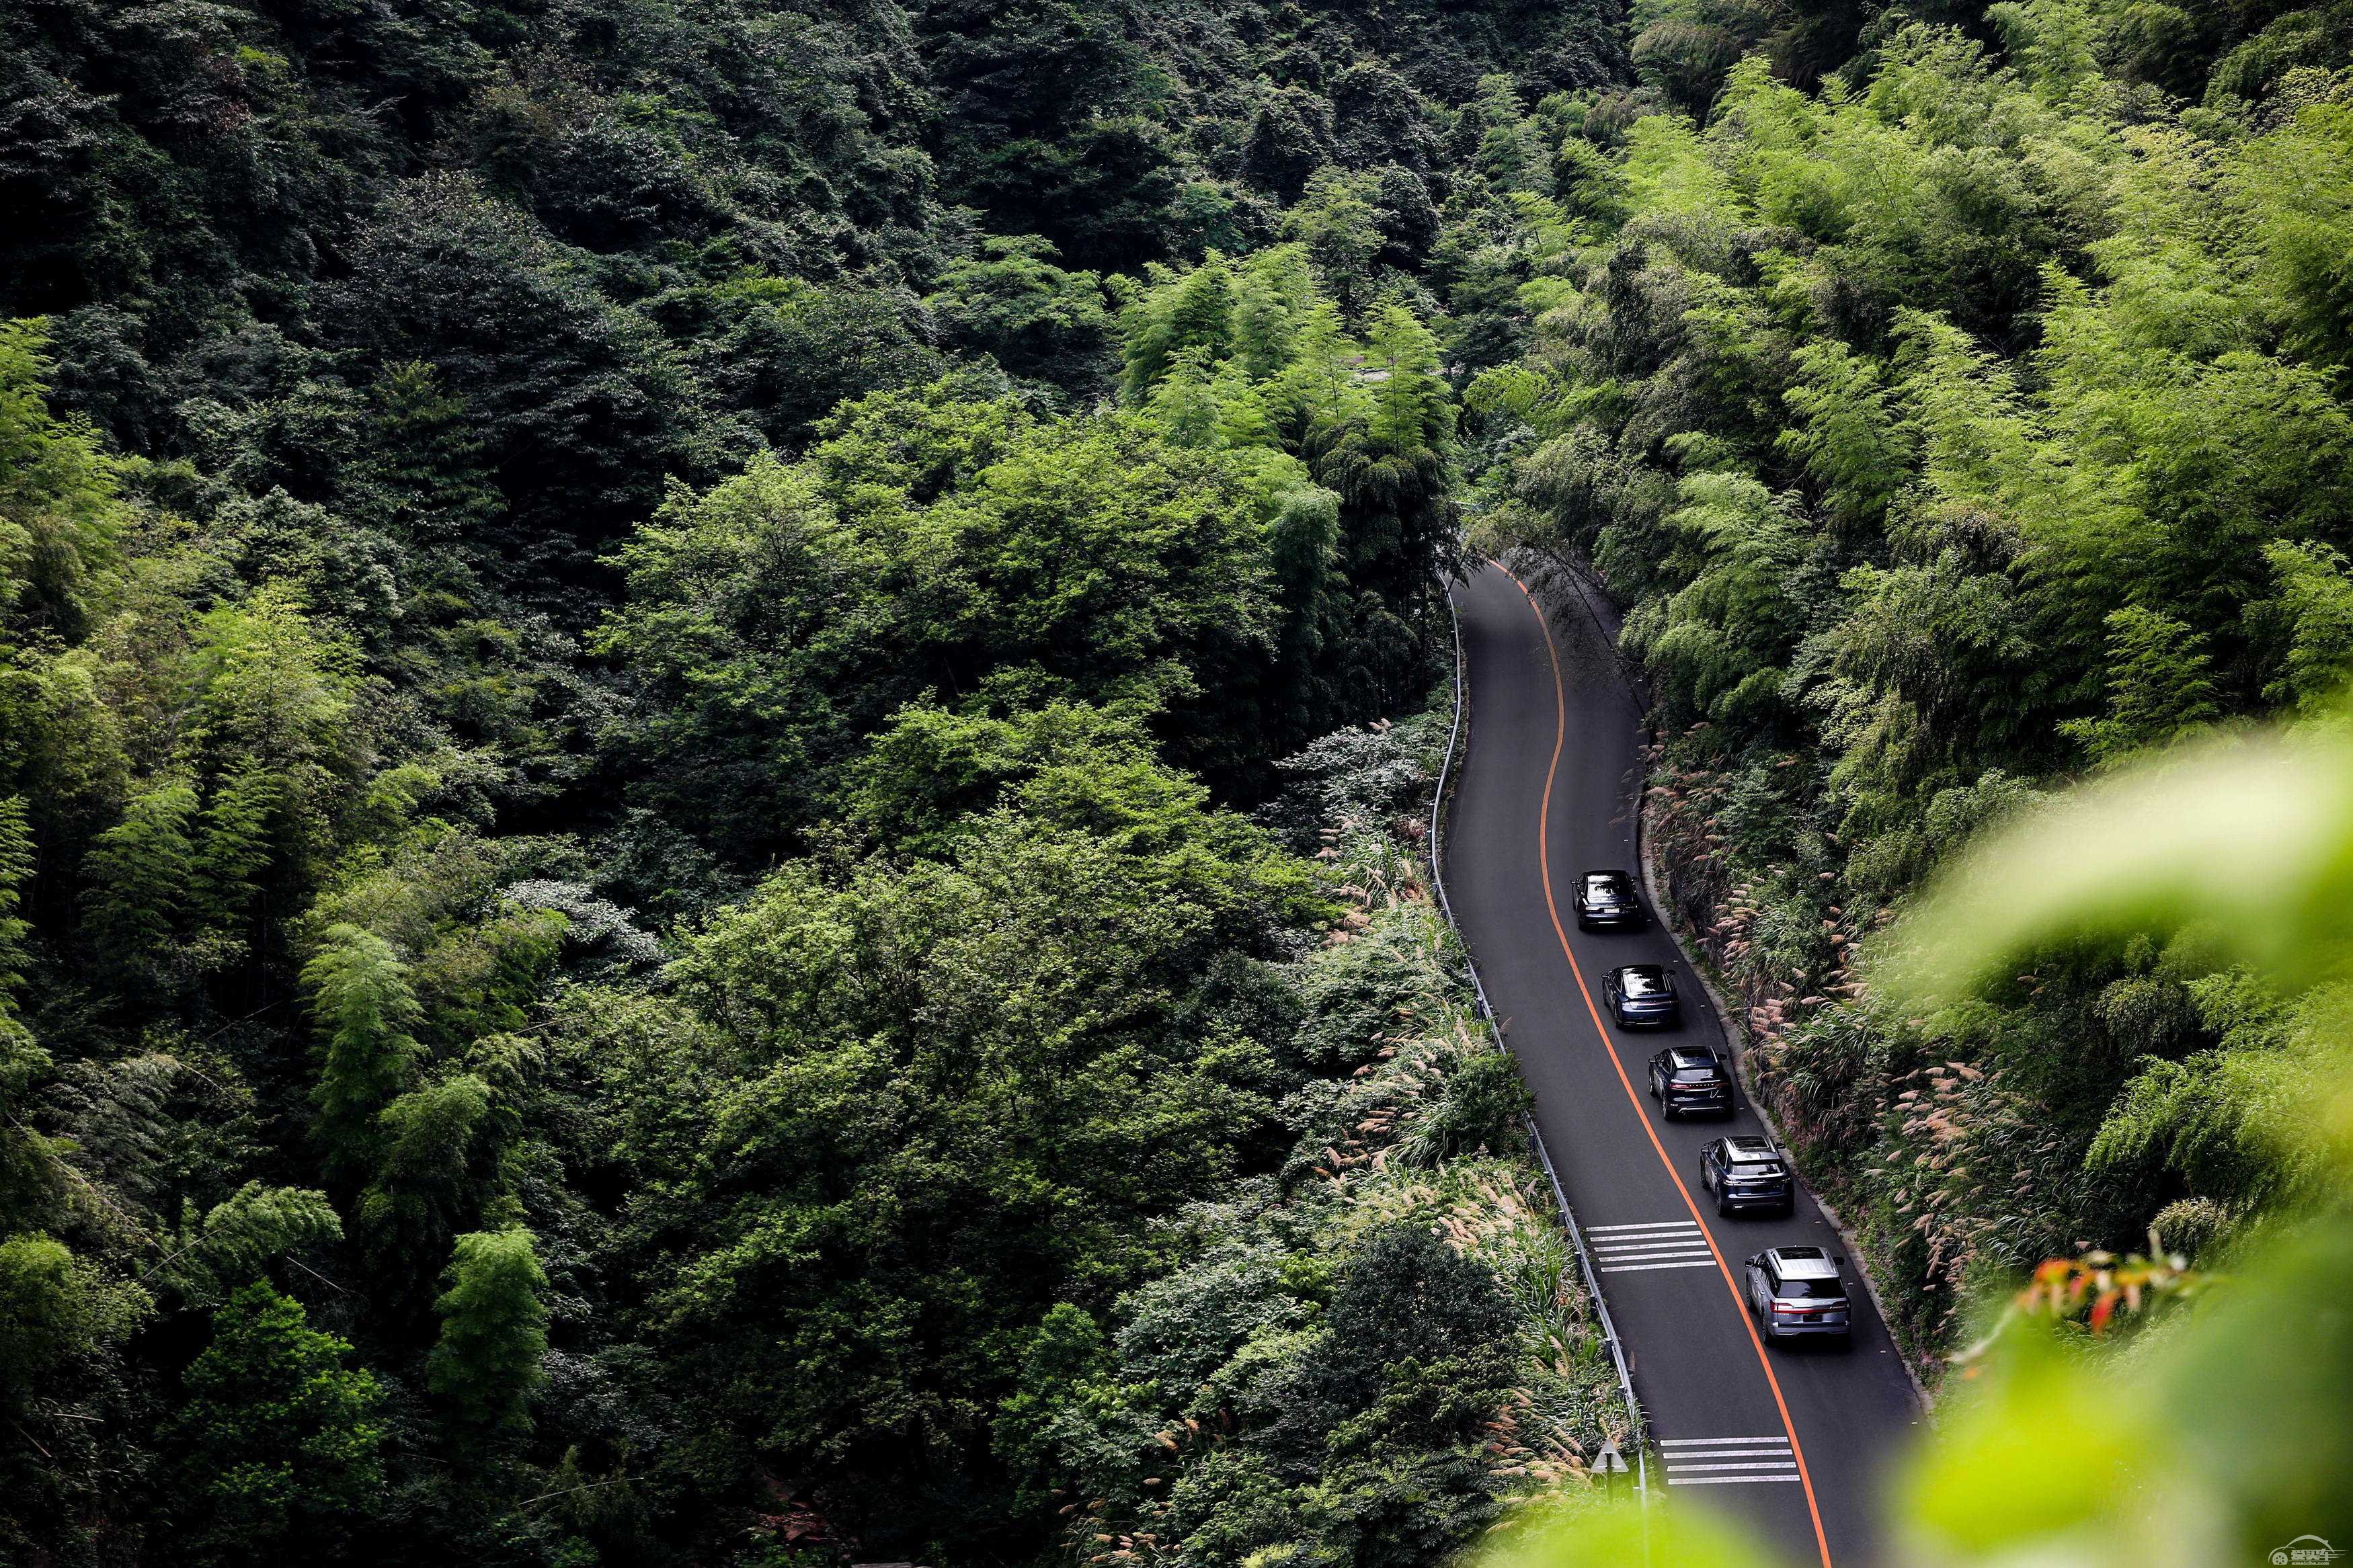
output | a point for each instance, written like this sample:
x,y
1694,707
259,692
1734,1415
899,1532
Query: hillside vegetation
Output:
x,y
701,855
714,721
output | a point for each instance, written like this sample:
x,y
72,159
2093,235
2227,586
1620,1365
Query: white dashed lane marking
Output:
x,y
1727,1461
1665,1244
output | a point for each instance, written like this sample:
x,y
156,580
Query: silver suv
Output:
x,y
1797,1292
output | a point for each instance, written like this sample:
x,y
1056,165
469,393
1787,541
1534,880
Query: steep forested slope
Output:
x,y
638,642
697,861
1970,421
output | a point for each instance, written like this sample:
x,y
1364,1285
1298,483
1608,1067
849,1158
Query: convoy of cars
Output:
x,y
1793,1292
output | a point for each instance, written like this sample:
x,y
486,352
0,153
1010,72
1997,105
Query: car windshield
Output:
x,y
1808,1290
1637,983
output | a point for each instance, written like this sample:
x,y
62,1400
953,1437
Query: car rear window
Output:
x,y
1759,1165
1695,1075
1639,984
1603,887
1808,1290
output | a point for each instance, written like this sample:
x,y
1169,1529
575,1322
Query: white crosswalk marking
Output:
x,y
1718,1442
1612,1255
1637,1248
1686,1474
1614,1235
1729,1480
1727,1461
1658,1244
1649,1249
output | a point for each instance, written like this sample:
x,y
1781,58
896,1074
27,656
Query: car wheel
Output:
x,y
1723,1209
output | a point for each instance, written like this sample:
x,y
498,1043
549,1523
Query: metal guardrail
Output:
x,y
1535,1137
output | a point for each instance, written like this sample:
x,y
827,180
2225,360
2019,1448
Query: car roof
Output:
x,y
1607,877
1749,1144
1803,1263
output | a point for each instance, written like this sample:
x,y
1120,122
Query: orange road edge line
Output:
x,y
1544,863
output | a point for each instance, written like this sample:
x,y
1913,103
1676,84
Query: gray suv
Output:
x,y
1796,1293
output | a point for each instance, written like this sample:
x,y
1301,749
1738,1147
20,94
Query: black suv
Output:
x,y
1690,1077
1641,994
1746,1173
1606,899
1796,1292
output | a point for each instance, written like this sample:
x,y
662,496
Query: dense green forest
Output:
x,y
714,719
702,857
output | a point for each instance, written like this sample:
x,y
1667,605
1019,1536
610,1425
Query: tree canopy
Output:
x,y
715,718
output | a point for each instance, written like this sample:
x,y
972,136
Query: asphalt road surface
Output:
x,y
1794,1441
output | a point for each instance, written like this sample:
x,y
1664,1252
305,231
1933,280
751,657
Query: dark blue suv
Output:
x,y
1688,1078
1606,899
1641,994
1745,1172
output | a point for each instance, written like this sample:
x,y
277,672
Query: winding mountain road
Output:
x,y
1795,1441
